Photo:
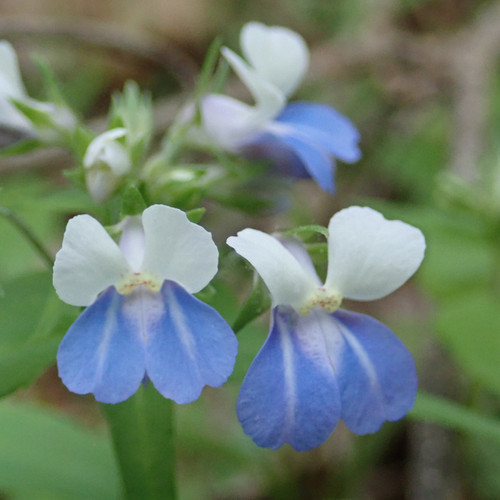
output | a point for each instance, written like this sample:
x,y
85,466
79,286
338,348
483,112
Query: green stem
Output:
x,y
19,224
447,413
142,429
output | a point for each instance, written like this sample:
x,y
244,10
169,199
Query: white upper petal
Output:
x,y
88,262
369,256
279,55
11,84
104,148
177,249
288,282
268,97
228,122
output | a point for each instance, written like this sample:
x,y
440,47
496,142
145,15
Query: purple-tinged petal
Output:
x,y
273,149
316,161
188,346
375,372
301,255
324,126
103,353
290,393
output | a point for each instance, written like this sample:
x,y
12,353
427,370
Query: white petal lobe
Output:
x,y
228,122
268,97
11,84
279,55
177,249
88,262
369,256
288,283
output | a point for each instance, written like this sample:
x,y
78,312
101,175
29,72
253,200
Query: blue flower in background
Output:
x,y
301,139
321,363
146,325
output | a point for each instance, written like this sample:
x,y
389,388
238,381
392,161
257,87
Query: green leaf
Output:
x,y
81,139
21,147
449,414
132,201
257,303
142,432
469,326
52,88
32,323
133,110
196,214
306,232
39,118
43,455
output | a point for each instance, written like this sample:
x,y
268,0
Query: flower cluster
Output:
x,y
142,322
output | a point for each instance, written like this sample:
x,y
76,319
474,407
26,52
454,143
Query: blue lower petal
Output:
x,y
290,393
188,346
273,149
323,126
316,161
294,157
102,353
375,372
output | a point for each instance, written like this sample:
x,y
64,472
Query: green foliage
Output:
x,y
452,415
132,201
469,326
32,323
133,110
257,303
20,147
46,456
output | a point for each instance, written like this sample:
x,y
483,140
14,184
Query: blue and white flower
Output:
x,y
300,139
146,324
321,363
12,88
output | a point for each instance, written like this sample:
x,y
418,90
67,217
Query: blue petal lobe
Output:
x,y
102,352
290,393
376,373
323,126
189,345
278,152
316,161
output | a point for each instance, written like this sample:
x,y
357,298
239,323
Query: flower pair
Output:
x,y
319,363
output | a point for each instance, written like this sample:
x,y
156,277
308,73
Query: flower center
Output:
x,y
329,300
144,278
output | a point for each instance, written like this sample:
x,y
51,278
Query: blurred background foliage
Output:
x,y
421,80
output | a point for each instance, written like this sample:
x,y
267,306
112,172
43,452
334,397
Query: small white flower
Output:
x,y
12,87
106,162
